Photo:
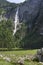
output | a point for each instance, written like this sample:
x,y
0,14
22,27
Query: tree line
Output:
x,y
24,38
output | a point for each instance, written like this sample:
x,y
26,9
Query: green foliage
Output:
x,y
6,34
20,35
24,37
28,38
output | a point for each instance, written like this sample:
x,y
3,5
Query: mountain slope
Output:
x,y
3,3
32,12
31,15
8,7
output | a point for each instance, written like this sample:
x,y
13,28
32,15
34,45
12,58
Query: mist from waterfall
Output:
x,y
16,22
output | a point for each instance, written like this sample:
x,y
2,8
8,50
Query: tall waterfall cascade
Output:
x,y
16,22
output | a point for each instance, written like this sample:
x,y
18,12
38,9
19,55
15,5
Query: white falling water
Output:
x,y
16,22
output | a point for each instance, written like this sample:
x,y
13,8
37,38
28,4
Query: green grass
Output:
x,y
5,63
26,63
32,63
18,53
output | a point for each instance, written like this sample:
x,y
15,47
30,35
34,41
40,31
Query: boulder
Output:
x,y
40,54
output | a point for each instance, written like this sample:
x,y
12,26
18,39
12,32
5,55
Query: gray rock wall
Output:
x,y
32,11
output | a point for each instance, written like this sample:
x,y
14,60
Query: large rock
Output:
x,y
40,54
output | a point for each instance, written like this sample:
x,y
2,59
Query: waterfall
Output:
x,y
16,22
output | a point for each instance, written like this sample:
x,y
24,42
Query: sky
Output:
x,y
16,1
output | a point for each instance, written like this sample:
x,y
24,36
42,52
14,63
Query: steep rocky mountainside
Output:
x,y
6,3
8,7
31,11
31,15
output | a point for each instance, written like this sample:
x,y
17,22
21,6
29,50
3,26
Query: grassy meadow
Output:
x,y
15,54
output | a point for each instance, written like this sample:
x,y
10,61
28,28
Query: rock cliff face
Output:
x,y
9,8
31,11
